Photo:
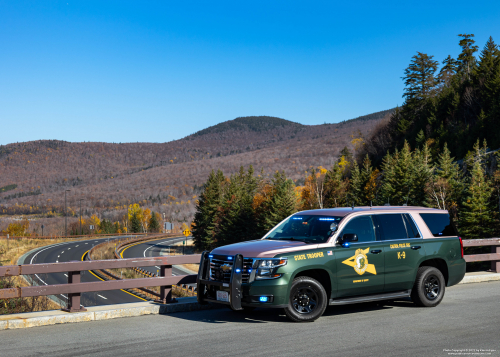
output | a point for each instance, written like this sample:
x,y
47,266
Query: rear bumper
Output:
x,y
241,295
456,272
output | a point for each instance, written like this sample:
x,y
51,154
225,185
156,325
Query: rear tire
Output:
x,y
429,287
307,301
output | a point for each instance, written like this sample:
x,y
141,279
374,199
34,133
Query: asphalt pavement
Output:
x,y
466,322
70,251
153,248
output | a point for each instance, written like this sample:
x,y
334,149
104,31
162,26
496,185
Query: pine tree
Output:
x,y
422,174
154,225
477,218
466,59
487,61
449,69
356,186
281,204
237,219
135,223
419,77
208,208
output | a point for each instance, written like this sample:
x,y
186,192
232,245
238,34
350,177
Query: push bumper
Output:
x,y
203,281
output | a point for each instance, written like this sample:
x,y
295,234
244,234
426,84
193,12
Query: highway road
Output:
x,y
154,248
68,251
468,318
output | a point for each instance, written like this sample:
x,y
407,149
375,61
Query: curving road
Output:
x,y
71,251
154,248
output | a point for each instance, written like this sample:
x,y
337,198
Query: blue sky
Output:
x,y
155,71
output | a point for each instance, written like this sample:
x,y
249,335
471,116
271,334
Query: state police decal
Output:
x,y
359,261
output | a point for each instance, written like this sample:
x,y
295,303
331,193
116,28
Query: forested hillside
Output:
x,y
166,177
455,102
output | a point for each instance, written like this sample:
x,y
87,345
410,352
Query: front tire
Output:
x,y
428,290
307,301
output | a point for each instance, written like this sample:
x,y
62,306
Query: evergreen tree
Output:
x,y
477,218
422,173
208,209
154,225
356,186
336,184
281,204
487,61
237,221
449,69
135,223
419,77
466,59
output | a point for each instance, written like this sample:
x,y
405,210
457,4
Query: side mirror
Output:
x,y
345,240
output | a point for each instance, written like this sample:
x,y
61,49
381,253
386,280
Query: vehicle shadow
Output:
x,y
260,315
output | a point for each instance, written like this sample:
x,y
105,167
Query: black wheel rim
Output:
x,y
304,300
432,287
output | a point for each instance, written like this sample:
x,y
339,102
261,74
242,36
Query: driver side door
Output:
x,y
360,267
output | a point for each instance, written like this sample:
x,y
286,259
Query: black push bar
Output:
x,y
203,281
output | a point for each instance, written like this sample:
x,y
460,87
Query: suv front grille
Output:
x,y
217,274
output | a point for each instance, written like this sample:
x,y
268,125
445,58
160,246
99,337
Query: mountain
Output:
x,y
164,176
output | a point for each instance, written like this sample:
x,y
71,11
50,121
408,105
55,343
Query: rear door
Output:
x,y
403,249
360,267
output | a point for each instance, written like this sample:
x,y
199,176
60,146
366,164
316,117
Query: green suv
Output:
x,y
337,256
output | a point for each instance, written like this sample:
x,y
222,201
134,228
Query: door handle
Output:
x,y
415,247
376,251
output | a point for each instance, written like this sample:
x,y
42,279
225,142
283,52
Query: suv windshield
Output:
x,y
305,228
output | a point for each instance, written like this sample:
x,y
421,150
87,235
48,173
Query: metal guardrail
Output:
x,y
92,236
75,287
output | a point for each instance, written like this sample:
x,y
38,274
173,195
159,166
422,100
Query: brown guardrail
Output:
x,y
99,235
494,256
107,275
74,288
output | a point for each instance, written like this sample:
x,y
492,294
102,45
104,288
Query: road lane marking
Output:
x,y
102,297
91,272
77,245
66,275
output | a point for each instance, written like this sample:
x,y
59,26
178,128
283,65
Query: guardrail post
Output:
x,y
74,299
495,265
166,290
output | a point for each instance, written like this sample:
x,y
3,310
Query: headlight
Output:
x,y
266,268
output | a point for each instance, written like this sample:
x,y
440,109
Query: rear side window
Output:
x,y
411,228
439,224
390,226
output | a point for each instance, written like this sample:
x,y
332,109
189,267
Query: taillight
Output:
x,y
461,246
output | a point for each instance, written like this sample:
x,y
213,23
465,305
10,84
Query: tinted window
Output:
x,y
310,229
362,227
439,224
411,228
390,226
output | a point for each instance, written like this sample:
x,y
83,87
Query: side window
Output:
x,y
440,224
361,226
390,226
411,228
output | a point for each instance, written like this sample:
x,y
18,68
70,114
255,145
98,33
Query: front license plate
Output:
x,y
222,296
